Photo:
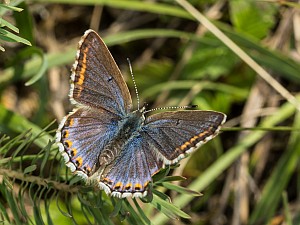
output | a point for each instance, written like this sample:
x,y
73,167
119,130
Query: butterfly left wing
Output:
x,y
175,134
131,173
96,80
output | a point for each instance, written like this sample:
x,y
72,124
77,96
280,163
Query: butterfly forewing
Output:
x,y
96,79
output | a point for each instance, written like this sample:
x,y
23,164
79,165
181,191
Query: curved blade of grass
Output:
x,y
287,212
219,166
144,6
180,189
141,212
14,122
278,62
240,53
168,209
134,218
41,69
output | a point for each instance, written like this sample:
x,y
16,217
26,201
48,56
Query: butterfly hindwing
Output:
x,y
96,80
131,173
82,136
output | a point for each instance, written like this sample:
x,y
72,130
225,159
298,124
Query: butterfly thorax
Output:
x,y
129,127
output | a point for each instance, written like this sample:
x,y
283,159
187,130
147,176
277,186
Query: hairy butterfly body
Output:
x,y
105,141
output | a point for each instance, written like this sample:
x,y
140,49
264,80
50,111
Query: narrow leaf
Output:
x,y
168,209
30,169
180,189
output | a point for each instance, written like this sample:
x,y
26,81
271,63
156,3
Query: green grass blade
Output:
x,y
4,23
158,8
8,36
14,122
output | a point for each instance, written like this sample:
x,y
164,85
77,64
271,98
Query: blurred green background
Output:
x,y
249,174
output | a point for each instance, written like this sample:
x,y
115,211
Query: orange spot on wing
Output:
x,y
74,152
83,67
183,147
118,185
88,169
187,143
128,186
71,122
65,134
78,161
203,134
138,186
68,143
193,139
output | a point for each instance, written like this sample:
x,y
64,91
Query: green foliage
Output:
x,y
44,184
185,68
5,34
252,18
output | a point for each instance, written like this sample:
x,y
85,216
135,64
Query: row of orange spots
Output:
x,y
193,139
83,68
119,185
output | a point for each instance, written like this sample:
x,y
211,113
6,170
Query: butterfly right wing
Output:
x,y
82,136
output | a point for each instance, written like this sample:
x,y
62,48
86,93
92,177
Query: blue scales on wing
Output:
x,y
96,81
83,135
131,172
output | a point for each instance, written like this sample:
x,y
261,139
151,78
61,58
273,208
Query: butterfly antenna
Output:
x,y
173,107
134,84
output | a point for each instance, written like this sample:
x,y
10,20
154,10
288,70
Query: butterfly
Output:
x,y
104,140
